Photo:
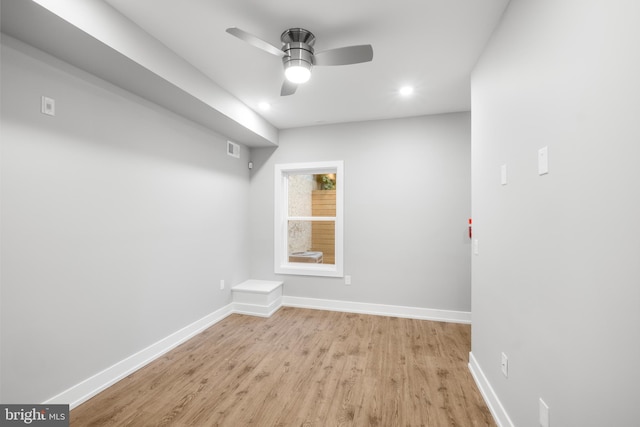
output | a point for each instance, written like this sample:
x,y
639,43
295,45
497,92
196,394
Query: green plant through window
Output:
x,y
328,183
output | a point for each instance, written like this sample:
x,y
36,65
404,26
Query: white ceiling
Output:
x,y
430,44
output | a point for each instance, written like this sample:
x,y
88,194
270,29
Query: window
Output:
x,y
308,218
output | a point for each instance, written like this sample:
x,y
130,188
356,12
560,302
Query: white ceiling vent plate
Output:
x,y
233,149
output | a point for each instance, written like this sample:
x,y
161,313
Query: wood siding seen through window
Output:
x,y
323,203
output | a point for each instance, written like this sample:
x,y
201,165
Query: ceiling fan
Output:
x,y
298,56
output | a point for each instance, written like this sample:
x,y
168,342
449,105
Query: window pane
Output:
x,y
311,241
323,203
323,239
299,236
300,188
312,195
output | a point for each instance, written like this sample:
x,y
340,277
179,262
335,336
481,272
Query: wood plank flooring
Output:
x,y
302,368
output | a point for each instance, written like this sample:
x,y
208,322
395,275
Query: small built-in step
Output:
x,y
257,297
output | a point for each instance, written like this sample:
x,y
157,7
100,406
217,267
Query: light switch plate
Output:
x,y
503,174
504,365
543,161
475,246
544,414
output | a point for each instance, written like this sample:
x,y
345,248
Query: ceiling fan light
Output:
x,y
298,73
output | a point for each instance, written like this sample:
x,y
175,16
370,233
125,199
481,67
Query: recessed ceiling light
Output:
x,y
264,106
406,90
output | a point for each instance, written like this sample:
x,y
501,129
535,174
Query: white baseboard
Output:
x,y
379,309
490,397
88,388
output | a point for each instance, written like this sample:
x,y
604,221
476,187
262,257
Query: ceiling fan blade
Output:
x,y
288,88
255,41
345,55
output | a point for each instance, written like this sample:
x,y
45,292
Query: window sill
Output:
x,y
304,269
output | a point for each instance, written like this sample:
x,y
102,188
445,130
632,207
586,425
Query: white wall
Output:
x,y
407,200
118,221
556,284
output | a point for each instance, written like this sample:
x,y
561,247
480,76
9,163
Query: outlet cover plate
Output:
x,y
48,106
543,161
505,365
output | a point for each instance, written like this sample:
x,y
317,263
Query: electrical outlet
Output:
x,y
505,365
543,161
222,285
48,106
347,280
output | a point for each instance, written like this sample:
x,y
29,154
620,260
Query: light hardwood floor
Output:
x,y
302,368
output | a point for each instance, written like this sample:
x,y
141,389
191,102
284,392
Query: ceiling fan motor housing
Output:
x,y
298,48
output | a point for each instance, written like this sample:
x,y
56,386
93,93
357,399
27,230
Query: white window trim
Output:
x,y
281,256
